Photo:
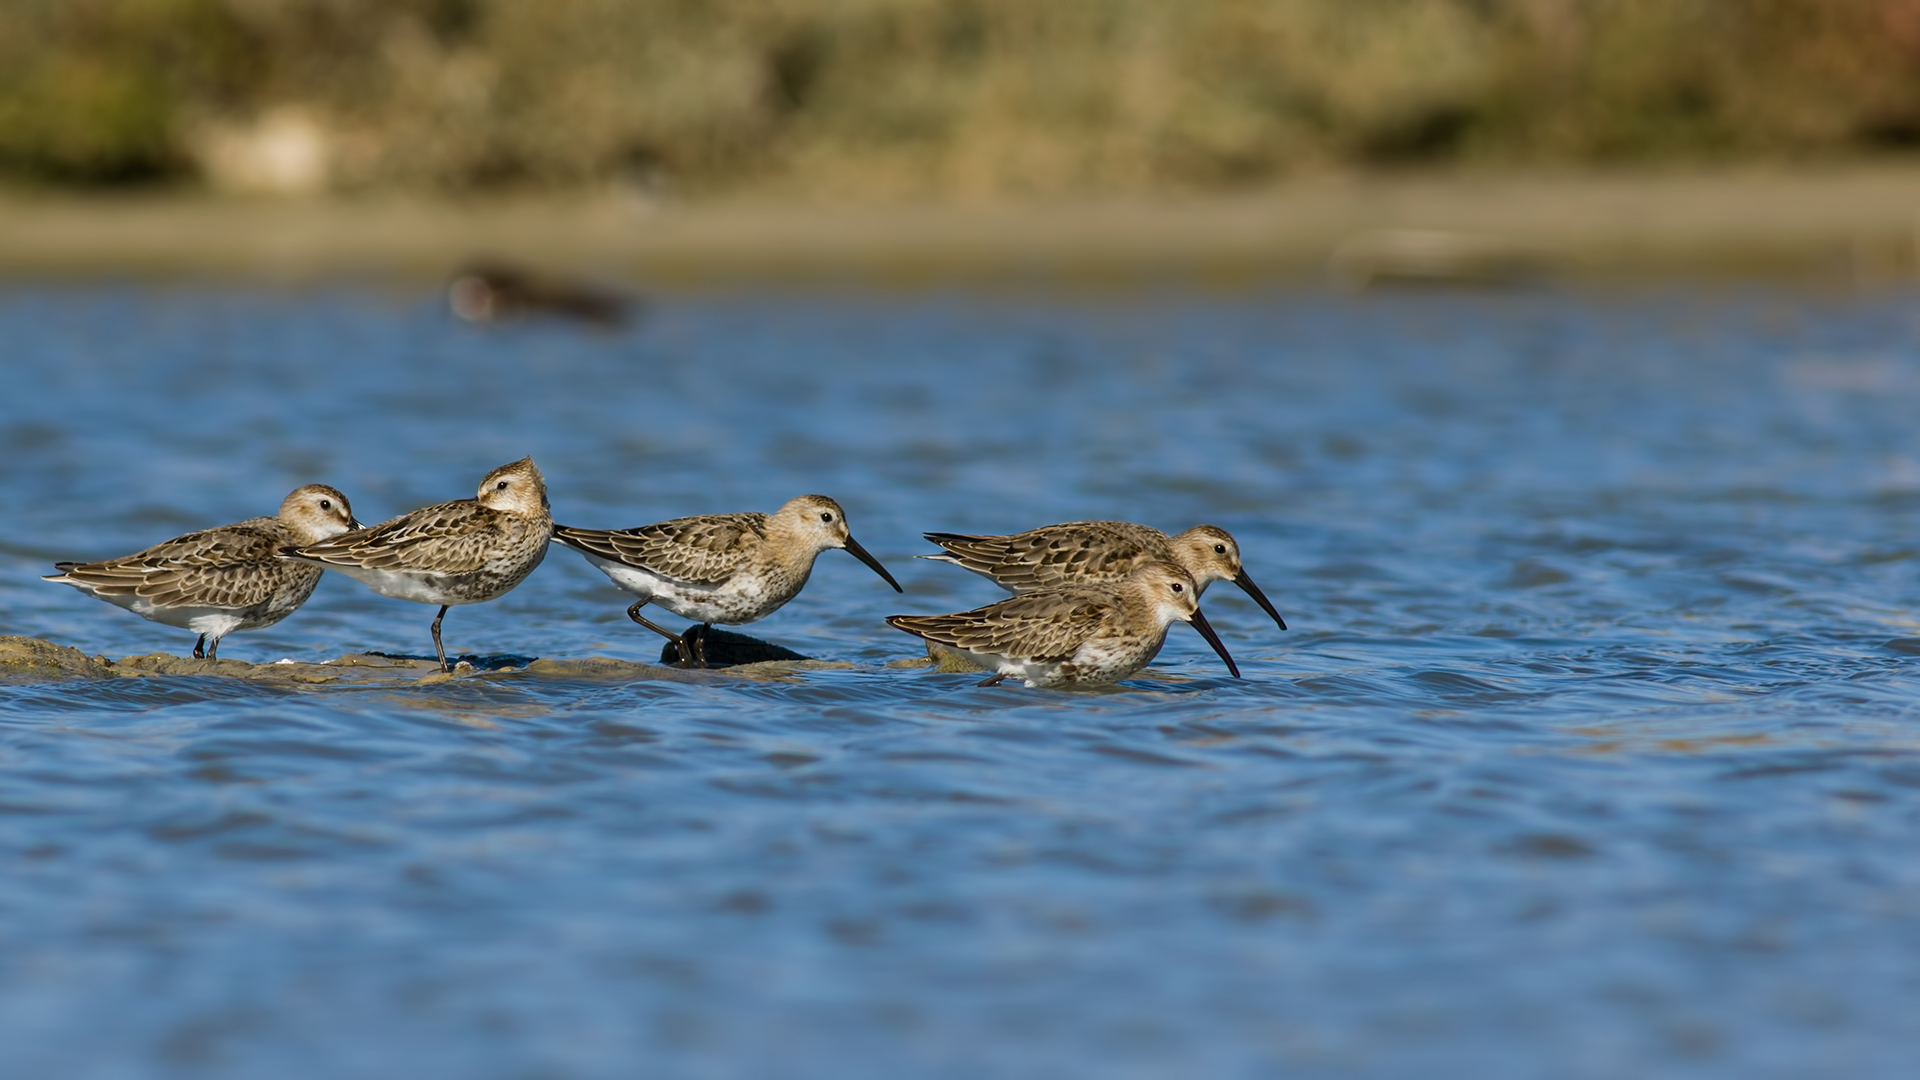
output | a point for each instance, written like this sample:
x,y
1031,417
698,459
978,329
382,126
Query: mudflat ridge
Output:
x,y
34,660
1852,222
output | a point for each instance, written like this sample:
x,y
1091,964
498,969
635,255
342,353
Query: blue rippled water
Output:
x,y
1591,753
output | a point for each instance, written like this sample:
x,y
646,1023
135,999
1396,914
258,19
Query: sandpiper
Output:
x,y
1090,551
462,552
217,581
719,568
1065,636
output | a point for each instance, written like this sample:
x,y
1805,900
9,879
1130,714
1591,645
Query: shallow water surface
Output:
x,y
1591,751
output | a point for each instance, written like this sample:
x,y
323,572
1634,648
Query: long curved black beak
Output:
x,y
1246,583
858,552
1200,623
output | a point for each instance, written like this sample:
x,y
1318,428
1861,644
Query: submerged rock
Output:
x,y
611,670
27,659
948,659
36,659
473,661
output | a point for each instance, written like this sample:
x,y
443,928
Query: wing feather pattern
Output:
x,y
233,566
1047,626
452,538
1074,551
703,550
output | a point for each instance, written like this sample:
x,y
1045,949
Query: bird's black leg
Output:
x,y
439,649
993,680
680,643
199,648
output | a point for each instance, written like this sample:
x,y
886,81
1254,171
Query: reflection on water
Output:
x,y
1591,751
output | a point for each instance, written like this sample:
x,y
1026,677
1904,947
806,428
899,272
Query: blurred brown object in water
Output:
x,y
1386,258
493,292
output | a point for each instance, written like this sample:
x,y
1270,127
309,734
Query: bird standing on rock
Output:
x,y
217,581
719,568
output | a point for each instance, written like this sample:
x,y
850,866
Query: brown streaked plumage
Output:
x,y
1068,636
219,581
1090,551
719,568
462,552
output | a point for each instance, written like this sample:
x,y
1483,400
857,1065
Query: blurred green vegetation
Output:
x,y
942,97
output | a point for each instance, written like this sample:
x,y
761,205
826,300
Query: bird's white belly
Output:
x,y
1040,673
641,583
1098,662
740,599
417,586
214,621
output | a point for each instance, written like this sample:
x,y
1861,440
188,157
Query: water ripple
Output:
x,y
1592,747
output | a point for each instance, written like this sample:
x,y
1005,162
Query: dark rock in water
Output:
x,y
725,648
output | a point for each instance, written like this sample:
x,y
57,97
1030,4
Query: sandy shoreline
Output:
x,y
1858,223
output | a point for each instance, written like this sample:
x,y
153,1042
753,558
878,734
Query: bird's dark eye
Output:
x,y
326,504
501,486
826,515
1177,587
1219,549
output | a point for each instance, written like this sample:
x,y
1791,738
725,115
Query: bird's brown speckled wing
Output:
x,y
1049,625
233,566
703,550
451,538
1071,552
